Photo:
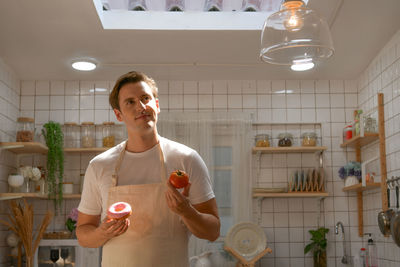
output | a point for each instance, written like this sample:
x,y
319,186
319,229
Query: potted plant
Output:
x,y
318,246
55,161
351,173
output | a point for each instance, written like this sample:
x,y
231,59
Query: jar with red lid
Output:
x,y
348,132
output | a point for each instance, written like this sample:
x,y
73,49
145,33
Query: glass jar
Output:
x,y
262,140
285,139
88,135
348,132
108,134
71,134
25,129
309,139
370,125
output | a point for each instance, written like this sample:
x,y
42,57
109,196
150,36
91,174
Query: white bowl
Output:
x,y
15,180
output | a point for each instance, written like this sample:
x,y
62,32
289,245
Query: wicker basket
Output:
x,y
57,235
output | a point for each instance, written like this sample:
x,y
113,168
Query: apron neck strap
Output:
x,y
163,169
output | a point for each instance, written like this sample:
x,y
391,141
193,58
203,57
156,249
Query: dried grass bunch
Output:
x,y
21,223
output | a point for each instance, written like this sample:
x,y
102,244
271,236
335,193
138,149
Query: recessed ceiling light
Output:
x,y
83,65
302,64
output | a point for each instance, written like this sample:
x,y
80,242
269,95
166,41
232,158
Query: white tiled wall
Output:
x,y
285,221
9,110
383,76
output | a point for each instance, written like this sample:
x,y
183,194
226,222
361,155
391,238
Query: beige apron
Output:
x,y
155,237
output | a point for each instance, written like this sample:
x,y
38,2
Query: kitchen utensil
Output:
x,y
384,217
395,220
202,260
321,180
247,239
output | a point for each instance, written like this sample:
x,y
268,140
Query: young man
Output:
x,y
136,171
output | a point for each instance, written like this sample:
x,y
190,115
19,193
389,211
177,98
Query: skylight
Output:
x,y
194,15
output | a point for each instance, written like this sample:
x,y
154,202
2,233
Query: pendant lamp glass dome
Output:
x,y
295,33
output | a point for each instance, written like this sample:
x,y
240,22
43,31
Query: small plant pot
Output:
x,y
350,180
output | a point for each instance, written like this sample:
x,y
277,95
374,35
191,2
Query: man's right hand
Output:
x,y
110,228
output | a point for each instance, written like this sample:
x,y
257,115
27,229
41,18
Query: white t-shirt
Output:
x,y
142,168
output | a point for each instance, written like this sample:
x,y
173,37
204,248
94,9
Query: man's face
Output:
x,y
138,107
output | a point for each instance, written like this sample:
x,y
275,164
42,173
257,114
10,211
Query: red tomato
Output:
x,y
179,179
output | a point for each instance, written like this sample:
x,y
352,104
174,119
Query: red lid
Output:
x,y
363,249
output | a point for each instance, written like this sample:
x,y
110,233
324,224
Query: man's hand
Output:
x,y
178,202
110,228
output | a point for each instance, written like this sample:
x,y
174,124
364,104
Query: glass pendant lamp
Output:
x,y
295,36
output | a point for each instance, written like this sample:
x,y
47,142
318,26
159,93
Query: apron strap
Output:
x,y
163,169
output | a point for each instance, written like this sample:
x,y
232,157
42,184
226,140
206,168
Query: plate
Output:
x,y
247,239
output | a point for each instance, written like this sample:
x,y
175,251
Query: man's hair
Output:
x,y
130,77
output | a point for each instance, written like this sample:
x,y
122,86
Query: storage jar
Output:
x,y
25,129
71,134
309,139
285,139
262,140
108,134
348,132
88,135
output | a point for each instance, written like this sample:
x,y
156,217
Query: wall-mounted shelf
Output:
x,y
24,147
6,196
86,150
289,195
358,141
360,188
291,149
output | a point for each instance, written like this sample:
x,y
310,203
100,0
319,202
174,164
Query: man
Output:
x,y
136,171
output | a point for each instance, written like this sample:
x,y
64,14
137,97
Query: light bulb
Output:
x,y
302,64
295,21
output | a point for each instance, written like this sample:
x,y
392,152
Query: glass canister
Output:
x,y
309,139
108,134
262,140
285,139
88,135
25,129
71,134
370,125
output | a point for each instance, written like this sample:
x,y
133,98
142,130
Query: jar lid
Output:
x,y
25,119
87,123
108,123
288,135
311,134
70,123
262,135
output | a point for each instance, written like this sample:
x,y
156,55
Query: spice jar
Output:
x,y
108,134
88,135
25,129
71,134
285,139
309,139
262,140
348,132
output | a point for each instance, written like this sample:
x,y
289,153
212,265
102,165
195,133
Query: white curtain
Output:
x,y
205,131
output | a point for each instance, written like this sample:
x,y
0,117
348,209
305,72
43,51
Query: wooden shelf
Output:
x,y
6,196
360,188
291,149
294,194
86,150
24,147
358,141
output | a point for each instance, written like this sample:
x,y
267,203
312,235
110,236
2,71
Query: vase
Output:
x,y
350,180
320,259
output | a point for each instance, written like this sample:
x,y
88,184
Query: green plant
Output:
x,y
55,161
318,244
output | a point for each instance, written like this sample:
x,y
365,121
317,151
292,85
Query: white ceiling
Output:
x,y
39,39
